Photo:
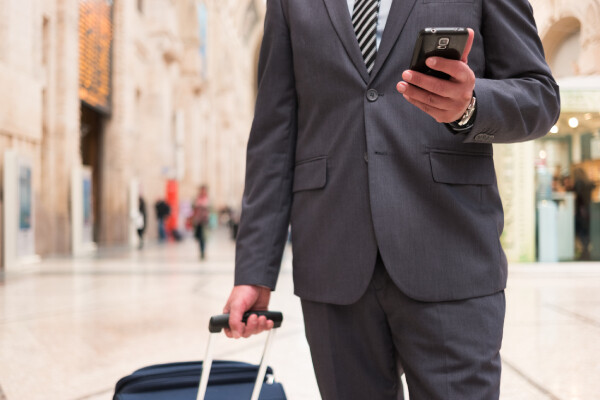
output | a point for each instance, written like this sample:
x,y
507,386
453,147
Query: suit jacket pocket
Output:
x,y
310,174
462,168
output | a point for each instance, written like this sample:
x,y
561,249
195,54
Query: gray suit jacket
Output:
x,y
356,168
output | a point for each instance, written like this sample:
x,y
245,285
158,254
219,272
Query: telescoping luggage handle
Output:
x,y
216,325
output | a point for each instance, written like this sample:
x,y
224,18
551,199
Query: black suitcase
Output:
x,y
229,380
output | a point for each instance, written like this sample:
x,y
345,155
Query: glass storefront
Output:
x,y
568,176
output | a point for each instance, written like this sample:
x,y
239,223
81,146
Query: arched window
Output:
x,y
563,47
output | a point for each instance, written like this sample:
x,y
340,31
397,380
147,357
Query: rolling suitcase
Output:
x,y
198,380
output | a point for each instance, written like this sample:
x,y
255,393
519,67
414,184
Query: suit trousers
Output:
x,y
448,350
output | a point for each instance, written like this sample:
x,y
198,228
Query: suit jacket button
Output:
x,y
372,95
366,156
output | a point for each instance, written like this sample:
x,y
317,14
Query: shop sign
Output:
x,y
580,100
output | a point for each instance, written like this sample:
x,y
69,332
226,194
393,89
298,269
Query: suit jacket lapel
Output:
x,y
397,18
340,17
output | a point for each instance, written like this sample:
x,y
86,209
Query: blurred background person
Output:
x,y
141,221
163,210
583,188
230,217
558,181
200,217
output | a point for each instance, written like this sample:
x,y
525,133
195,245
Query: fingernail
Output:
x,y
407,75
431,61
401,87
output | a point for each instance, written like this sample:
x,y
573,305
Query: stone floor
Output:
x,y
72,327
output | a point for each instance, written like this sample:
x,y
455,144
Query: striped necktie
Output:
x,y
364,20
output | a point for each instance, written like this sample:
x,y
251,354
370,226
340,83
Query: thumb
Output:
x,y
468,46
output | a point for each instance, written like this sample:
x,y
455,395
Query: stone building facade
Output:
x,y
181,101
559,21
234,36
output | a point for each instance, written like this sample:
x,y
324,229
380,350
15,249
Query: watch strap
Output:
x,y
469,112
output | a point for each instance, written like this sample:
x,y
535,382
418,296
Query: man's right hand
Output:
x,y
244,298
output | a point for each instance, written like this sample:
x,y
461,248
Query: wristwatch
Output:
x,y
466,122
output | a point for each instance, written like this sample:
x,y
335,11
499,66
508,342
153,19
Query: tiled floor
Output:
x,y
73,328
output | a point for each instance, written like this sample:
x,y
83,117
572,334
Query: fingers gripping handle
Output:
x,y
219,322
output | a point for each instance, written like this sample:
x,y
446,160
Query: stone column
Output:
x,y
45,217
60,149
516,181
116,168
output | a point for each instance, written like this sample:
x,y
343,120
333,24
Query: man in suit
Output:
x,y
388,180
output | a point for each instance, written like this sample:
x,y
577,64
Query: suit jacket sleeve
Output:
x,y
267,196
517,99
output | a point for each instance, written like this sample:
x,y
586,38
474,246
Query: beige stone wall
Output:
x,y
557,19
38,119
65,130
156,88
157,124
229,94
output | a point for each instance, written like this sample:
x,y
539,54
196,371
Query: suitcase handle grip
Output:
x,y
216,325
219,322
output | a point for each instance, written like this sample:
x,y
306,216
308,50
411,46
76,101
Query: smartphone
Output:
x,y
438,42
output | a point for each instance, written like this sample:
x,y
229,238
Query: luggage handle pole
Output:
x,y
218,323
206,367
262,370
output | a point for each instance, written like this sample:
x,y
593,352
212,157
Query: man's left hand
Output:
x,y
445,100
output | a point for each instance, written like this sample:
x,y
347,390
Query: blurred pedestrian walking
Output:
x,y
141,221
200,216
583,188
163,210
